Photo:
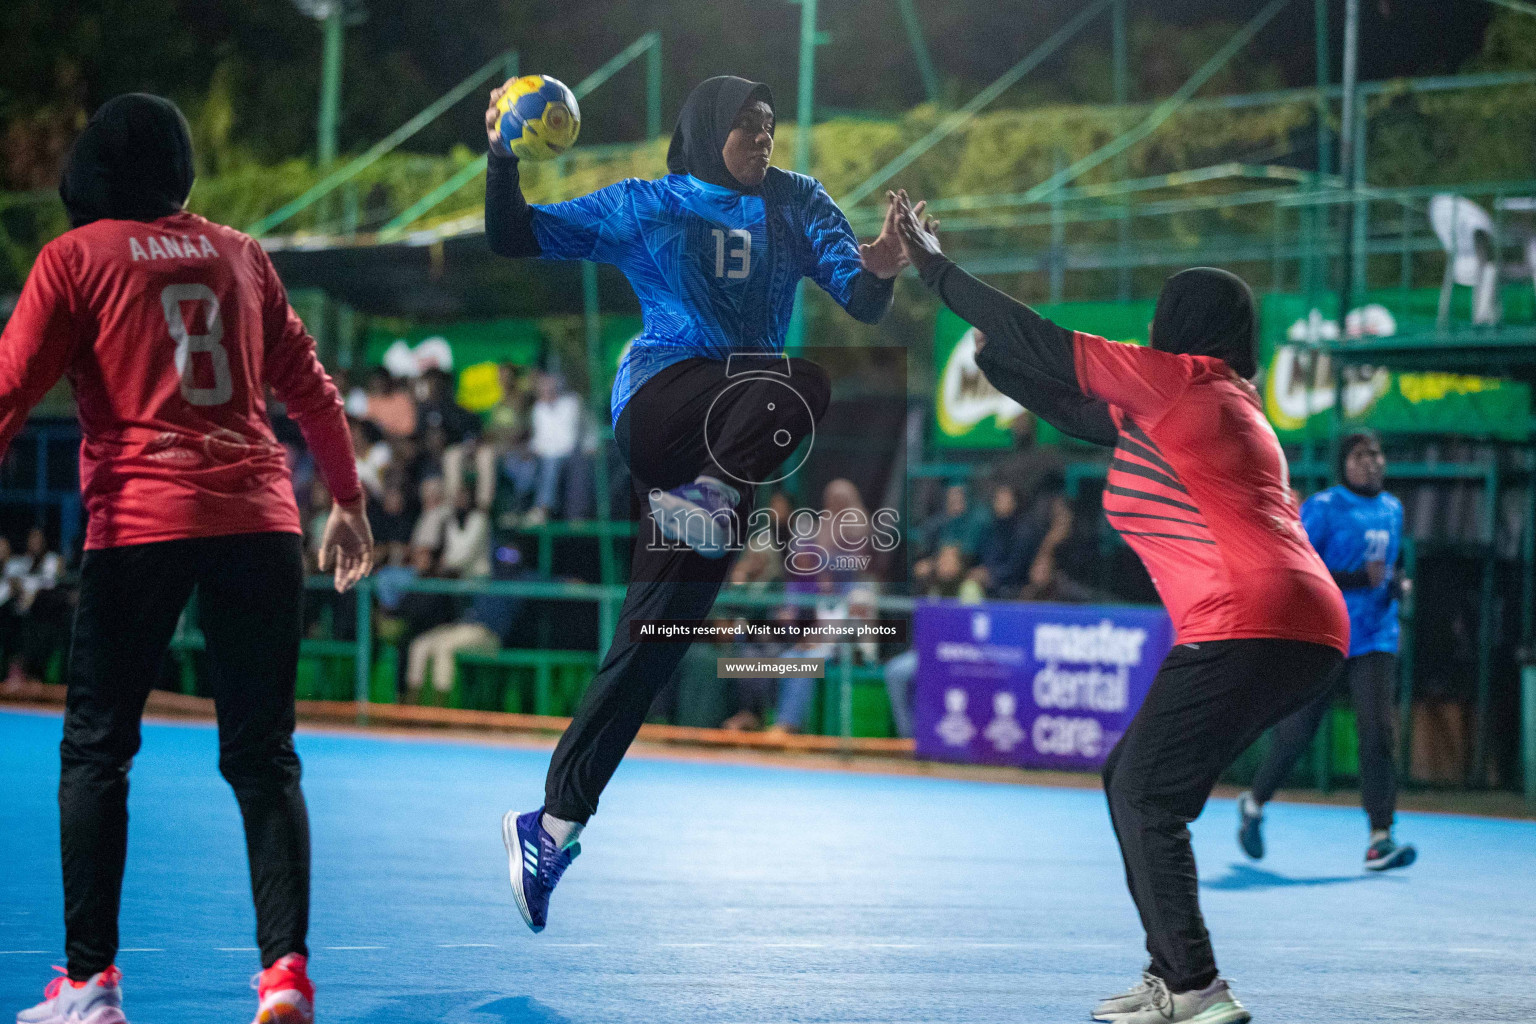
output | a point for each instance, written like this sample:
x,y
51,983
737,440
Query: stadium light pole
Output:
x,y
919,46
1120,46
330,87
334,16
805,112
1347,153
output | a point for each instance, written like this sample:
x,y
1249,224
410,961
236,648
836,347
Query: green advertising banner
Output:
x,y
1299,390
1297,383
968,411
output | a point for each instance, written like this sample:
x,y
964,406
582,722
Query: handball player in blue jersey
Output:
x,y
1357,527
705,405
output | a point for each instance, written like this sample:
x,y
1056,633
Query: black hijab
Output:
x,y
1208,312
132,162
1346,446
705,124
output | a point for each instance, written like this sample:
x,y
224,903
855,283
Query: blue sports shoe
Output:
x,y
1384,855
701,515
536,863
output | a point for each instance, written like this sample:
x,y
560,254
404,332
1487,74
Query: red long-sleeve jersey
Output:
x,y
170,332
1199,488
1198,485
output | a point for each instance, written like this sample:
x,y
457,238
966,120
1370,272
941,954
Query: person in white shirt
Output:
x,y
556,419
31,579
435,512
466,540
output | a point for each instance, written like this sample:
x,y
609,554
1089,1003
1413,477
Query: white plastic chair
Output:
x,y
1466,234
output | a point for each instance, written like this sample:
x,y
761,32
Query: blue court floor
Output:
x,y
712,892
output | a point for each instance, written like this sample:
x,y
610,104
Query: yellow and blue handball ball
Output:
x,y
539,117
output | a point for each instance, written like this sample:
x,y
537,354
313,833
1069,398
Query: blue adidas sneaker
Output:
x,y
536,863
701,515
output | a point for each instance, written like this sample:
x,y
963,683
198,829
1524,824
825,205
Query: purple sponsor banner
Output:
x,y
1033,685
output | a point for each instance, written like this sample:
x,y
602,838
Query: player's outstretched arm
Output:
x,y
1024,355
508,217
1014,331
860,278
294,373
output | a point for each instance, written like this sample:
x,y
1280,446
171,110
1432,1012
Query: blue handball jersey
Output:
x,y
715,270
1348,530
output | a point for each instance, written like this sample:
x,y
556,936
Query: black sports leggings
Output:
x,y
1372,679
250,597
752,423
1208,703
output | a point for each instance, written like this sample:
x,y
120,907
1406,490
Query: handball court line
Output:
x,y
1493,805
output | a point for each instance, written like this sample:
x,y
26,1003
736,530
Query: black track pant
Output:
x,y
1372,681
753,424
250,595
1207,704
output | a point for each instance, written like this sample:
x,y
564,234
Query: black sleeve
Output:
x,y
1069,411
869,299
508,217
1027,357
1356,579
1028,345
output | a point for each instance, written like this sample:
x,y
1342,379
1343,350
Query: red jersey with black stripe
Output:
x,y
1200,490
170,332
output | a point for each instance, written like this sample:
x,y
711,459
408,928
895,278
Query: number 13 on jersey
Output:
x,y
734,246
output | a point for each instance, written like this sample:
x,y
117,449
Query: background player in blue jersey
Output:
x,y
705,404
1358,528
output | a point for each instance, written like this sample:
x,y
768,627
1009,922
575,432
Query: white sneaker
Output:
x,y
97,1000
1154,1004
1133,999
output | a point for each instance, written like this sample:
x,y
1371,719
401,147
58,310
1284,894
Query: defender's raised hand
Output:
x,y
919,235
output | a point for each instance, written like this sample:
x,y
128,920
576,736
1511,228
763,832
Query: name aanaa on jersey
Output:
x,y
165,247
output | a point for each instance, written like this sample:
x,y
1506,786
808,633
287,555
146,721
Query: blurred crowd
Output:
x,y
447,489
35,609
1005,531
453,496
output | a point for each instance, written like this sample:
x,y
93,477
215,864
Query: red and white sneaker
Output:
x,y
285,993
97,1000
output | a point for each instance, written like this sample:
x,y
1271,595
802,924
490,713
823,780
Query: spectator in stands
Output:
x,y
10,617
485,626
1036,472
843,529
1048,581
406,614
503,450
386,403
556,433
1009,542
948,580
433,518
391,521
466,541
956,523
758,566
437,408
373,456
34,577
315,517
